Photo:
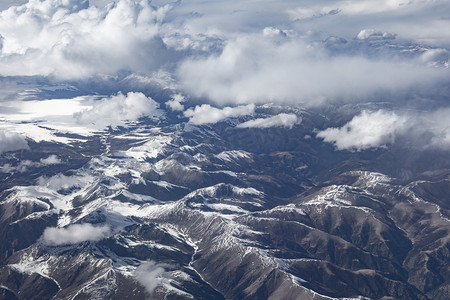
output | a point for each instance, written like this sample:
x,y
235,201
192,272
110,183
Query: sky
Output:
x,y
220,59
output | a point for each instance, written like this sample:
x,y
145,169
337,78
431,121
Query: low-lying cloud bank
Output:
x,y
262,68
74,234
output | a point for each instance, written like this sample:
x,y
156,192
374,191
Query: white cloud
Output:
x,y
175,103
280,120
118,109
419,129
206,114
51,160
11,141
366,130
149,275
260,69
70,39
372,34
74,234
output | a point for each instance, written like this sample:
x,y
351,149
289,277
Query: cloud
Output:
x,y
175,103
51,160
280,120
206,114
74,234
366,130
149,275
117,109
11,141
72,39
259,69
24,165
237,52
437,125
419,129
372,34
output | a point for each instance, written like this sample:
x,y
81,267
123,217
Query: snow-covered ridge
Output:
x,y
234,155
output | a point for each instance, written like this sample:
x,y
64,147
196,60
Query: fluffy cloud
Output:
x,y
72,39
367,130
11,141
74,234
175,103
117,109
420,129
206,114
280,120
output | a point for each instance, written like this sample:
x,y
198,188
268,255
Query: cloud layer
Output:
x,y
233,52
218,60
74,234
260,68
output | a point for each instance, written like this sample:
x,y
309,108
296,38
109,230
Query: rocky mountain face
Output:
x,y
169,210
